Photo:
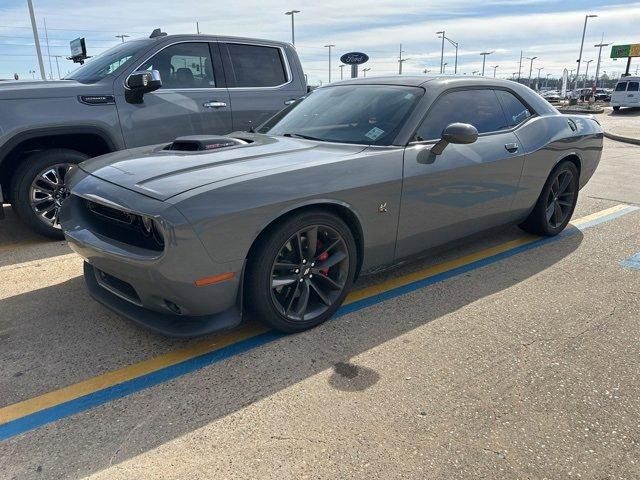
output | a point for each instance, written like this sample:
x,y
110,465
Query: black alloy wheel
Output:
x,y
300,273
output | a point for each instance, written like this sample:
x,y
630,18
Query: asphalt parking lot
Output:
x,y
504,357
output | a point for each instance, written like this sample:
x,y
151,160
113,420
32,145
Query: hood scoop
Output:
x,y
200,143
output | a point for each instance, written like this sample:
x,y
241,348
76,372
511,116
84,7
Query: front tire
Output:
x,y
38,188
616,109
301,272
556,203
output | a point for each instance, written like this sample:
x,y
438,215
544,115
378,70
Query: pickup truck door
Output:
x,y
467,188
193,99
260,81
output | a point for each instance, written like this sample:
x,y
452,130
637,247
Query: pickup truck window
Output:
x,y
183,65
256,66
108,62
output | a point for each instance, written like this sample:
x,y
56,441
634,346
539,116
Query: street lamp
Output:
x,y
530,69
329,47
455,44
342,72
584,30
364,71
122,37
546,81
495,67
293,30
538,81
484,59
600,45
586,74
444,67
441,52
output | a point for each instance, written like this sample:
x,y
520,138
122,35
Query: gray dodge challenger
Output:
x,y
276,224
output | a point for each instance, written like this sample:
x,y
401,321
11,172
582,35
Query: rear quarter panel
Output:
x,y
549,139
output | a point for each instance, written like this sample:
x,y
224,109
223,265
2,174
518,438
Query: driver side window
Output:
x,y
183,65
479,108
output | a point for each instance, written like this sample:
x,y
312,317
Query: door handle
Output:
x,y
572,125
214,104
290,101
511,147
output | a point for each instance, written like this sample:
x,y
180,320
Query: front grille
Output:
x,y
123,226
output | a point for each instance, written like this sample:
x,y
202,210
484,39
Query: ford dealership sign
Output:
x,y
354,58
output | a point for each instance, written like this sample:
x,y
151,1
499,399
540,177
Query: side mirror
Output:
x,y
460,133
140,83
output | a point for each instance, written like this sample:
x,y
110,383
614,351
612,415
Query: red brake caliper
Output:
x,y
322,258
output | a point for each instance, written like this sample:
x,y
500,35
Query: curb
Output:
x,y
567,110
612,136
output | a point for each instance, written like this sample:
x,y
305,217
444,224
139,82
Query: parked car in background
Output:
x,y
142,92
626,93
552,96
359,175
603,94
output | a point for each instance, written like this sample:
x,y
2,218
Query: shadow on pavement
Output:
x,y
68,327
18,244
625,112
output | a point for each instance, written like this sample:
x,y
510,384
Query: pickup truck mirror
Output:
x,y
142,82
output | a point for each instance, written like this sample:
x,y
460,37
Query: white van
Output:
x,y
626,93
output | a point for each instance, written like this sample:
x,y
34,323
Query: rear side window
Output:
x,y
621,87
256,66
480,108
633,87
514,109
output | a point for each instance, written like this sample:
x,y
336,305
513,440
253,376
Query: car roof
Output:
x,y
207,37
430,80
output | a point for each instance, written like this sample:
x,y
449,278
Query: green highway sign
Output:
x,y
624,51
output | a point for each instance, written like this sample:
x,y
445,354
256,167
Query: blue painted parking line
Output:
x,y
632,262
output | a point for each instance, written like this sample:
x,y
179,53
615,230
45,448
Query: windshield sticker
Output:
x,y
374,133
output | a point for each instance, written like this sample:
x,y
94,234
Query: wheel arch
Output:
x,y
340,209
90,140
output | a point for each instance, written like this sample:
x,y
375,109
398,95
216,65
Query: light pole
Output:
x,y
293,28
600,45
530,69
546,81
538,81
474,72
401,61
586,74
329,47
444,67
584,30
342,72
441,52
495,67
57,64
364,71
520,67
484,59
513,75
122,37
455,44
36,40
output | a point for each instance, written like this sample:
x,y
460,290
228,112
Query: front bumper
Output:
x,y
155,289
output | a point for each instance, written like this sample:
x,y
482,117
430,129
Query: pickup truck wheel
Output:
x,y
301,273
38,188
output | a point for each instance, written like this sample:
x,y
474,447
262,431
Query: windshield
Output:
x,y
108,62
363,114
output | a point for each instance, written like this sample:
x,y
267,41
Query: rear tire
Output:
x,y
38,188
556,203
297,279
616,109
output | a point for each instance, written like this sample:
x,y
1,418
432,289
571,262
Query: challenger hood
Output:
x,y
162,174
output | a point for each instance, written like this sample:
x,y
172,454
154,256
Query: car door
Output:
x,y
633,94
467,188
259,80
193,99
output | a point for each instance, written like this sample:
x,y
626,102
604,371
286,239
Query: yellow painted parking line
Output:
x,y
26,407
229,339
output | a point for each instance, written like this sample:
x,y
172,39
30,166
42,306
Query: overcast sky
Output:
x,y
548,29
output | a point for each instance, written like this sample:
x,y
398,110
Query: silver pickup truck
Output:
x,y
142,92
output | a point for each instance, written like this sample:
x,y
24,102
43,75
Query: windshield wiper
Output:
x,y
299,135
